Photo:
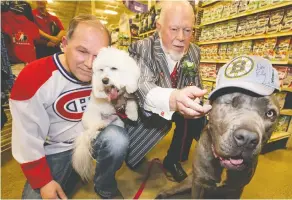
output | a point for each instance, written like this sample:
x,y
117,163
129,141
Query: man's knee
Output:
x,y
116,140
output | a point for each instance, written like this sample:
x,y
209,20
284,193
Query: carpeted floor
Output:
x,y
273,178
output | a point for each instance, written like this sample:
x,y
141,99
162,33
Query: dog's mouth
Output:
x,y
112,92
234,163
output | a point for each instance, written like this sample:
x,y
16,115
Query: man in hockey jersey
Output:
x,y
47,103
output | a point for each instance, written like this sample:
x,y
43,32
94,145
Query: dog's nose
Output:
x,y
245,138
105,80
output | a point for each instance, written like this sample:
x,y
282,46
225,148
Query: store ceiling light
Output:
x,y
103,21
50,1
111,12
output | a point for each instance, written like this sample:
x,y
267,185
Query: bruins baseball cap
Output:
x,y
252,73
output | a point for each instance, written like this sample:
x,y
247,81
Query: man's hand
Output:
x,y
52,190
187,102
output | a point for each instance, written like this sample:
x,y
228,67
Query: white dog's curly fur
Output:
x,y
115,77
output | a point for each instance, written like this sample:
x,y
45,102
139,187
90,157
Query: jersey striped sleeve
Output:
x,y
30,121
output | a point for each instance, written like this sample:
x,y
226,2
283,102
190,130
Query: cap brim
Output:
x,y
256,88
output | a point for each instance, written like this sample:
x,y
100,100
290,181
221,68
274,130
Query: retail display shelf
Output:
x,y
276,62
209,3
209,79
137,38
286,112
286,89
254,37
278,136
266,8
146,33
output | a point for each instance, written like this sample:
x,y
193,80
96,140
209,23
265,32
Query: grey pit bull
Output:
x,y
242,119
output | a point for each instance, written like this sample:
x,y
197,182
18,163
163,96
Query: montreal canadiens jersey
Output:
x,y
47,105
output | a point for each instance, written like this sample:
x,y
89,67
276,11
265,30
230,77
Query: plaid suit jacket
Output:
x,y
151,128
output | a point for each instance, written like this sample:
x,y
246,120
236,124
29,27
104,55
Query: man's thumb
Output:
x,y
61,193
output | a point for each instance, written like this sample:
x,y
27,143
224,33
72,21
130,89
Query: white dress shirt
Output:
x,y
157,99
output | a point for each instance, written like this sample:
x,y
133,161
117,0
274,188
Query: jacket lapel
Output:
x,y
161,63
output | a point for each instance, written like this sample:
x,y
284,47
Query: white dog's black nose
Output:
x,y
245,138
105,80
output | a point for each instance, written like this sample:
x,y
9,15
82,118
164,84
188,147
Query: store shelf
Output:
x,y
266,8
275,62
286,89
278,136
254,37
137,38
146,33
209,3
286,112
209,79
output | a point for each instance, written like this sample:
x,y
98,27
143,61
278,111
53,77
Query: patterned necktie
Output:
x,y
174,76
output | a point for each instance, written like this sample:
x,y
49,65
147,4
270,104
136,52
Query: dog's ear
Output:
x,y
132,80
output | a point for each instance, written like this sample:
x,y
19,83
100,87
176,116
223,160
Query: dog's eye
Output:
x,y
270,113
114,68
101,70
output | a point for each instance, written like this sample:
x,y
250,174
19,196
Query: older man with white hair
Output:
x,y
168,92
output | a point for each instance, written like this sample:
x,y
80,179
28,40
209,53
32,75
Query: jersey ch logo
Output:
x,y
71,105
239,67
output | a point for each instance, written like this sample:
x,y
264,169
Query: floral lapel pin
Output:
x,y
188,68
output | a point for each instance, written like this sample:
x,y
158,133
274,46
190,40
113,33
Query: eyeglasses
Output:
x,y
187,32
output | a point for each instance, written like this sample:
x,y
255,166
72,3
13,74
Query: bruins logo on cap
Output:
x,y
239,67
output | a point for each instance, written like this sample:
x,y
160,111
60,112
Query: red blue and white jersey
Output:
x,y
47,104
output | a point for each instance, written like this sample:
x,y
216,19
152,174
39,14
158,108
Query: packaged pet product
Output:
x,y
283,123
258,47
229,51
282,48
275,21
237,49
269,48
206,15
218,31
287,82
204,51
208,70
262,23
222,51
234,7
283,72
218,11
252,5
208,85
281,96
241,28
251,25
226,9
232,26
224,29
264,3
243,6
214,51
287,21
247,47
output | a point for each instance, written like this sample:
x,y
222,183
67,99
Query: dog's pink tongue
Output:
x,y
113,94
236,161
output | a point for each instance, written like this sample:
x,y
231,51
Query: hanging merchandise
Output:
x,y
136,6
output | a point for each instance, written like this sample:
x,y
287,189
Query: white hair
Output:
x,y
166,6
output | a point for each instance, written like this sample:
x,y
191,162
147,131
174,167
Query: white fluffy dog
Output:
x,y
115,77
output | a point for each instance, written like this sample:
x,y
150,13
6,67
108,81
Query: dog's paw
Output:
x,y
133,116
